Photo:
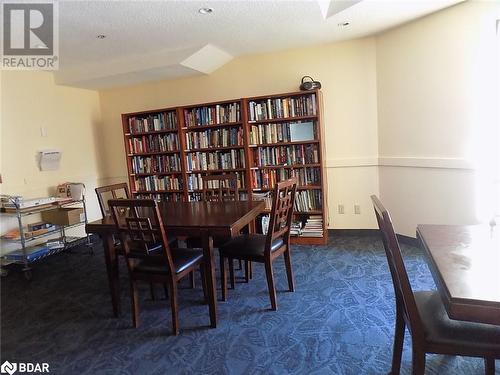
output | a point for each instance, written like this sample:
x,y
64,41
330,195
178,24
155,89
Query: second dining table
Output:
x,y
194,219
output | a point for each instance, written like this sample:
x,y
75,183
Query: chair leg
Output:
x,y
174,307
289,271
231,272
270,284
203,283
489,366
247,271
250,272
223,281
191,280
152,291
165,289
418,361
240,265
397,350
134,297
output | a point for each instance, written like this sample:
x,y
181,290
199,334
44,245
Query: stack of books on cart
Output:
x,y
313,226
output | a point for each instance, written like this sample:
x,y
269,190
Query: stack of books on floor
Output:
x,y
313,227
296,228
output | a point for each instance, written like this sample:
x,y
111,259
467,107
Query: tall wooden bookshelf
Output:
x,y
261,139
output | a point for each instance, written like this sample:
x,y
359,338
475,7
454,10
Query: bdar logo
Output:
x,y
8,368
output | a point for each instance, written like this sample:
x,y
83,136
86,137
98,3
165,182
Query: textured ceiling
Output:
x,y
151,40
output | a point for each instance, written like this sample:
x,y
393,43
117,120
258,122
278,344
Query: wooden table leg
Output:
x,y
208,255
112,271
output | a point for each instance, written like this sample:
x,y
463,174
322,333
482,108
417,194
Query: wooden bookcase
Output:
x,y
261,139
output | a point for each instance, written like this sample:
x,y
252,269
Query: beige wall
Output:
x,y
30,100
437,93
347,72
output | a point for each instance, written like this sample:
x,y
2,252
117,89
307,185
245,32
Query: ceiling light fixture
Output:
x,y
205,10
101,36
343,24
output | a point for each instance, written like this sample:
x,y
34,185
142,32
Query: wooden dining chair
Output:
x,y
115,191
148,254
218,188
262,248
121,191
432,331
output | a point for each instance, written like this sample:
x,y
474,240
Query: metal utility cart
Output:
x,y
27,255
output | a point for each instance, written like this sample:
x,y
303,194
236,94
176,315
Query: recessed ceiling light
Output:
x,y
101,36
343,24
206,10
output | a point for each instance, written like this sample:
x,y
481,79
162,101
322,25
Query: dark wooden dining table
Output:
x,y
465,264
194,219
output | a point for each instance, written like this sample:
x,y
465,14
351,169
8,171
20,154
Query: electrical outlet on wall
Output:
x,y
357,209
341,209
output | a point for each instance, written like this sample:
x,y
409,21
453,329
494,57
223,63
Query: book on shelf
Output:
x,y
195,181
153,143
286,155
165,197
150,183
212,115
213,138
231,159
296,228
152,122
308,200
156,164
276,108
267,178
282,132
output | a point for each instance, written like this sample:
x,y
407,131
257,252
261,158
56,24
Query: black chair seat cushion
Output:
x,y
182,258
195,242
440,329
249,245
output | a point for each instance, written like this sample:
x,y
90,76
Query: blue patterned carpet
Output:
x,y
339,321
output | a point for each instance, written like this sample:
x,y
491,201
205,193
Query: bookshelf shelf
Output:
x,y
217,170
210,149
292,166
152,153
233,136
284,143
212,126
140,134
283,119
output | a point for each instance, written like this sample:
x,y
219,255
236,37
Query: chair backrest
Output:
x,y
220,187
105,193
141,229
281,211
405,299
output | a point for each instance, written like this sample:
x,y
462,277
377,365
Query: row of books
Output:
x,y
195,181
215,160
154,143
211,115
154,122
313,227
150,183
156,164
308,200
286,155
283,132
164,197
282,107
267,178
215,138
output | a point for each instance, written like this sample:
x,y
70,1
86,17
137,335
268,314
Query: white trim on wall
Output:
x,y
400,161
